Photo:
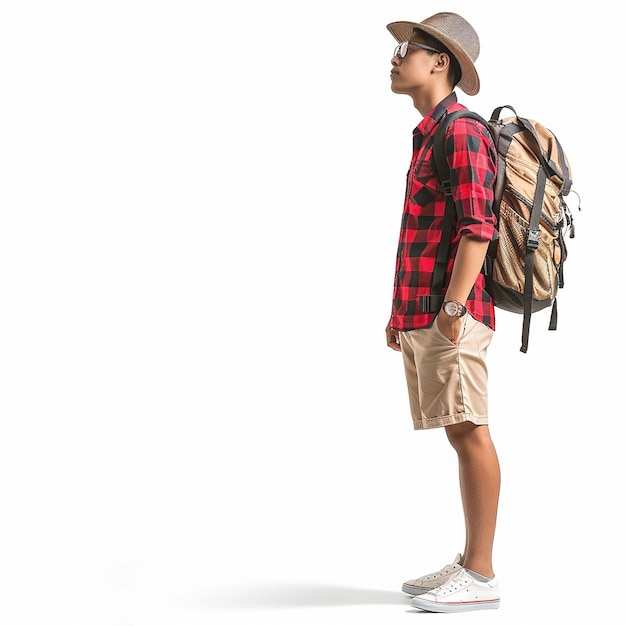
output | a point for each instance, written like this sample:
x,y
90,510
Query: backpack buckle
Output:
x,y
487,268
532,242
430,304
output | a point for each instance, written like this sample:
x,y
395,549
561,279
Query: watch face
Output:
x,y
451,309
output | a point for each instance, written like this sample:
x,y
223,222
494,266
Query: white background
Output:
x,y
200,422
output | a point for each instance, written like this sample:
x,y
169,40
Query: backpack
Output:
x,y
524,266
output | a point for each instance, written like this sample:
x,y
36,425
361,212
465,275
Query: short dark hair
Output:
x,y
454,73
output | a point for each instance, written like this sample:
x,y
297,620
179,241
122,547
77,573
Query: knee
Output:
x,y
467,437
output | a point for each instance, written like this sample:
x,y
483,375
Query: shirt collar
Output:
x,y
426,126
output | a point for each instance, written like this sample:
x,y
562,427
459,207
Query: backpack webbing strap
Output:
x,y
553,317
532,243
561,170
432,303
567,181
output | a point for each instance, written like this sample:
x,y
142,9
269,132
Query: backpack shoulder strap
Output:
x,y
442,170
440,161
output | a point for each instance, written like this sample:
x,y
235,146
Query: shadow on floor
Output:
x,y
286,595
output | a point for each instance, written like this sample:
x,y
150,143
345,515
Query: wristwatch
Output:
x,y
452,308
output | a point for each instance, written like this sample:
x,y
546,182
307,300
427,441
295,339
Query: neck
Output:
x,y
426,102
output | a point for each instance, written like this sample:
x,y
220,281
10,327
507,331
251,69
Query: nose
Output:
x,y
395,60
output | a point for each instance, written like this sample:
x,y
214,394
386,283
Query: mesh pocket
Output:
x,y
508,266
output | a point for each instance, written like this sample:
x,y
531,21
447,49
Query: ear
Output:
x,y
442,63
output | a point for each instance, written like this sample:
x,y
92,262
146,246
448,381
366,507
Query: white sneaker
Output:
x,y
431,581
461,593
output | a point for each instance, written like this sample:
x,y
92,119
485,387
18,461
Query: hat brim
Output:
x,y
469,83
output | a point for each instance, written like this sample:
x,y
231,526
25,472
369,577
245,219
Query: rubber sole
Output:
x,y
454,607
414,591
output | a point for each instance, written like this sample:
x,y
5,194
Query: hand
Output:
x,y
450,326
393,340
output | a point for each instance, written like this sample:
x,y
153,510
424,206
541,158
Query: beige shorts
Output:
x,y
447,383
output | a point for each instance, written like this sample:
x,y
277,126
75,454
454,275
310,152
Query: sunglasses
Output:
x,y
402,49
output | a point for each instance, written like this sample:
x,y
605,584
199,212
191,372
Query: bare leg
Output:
x,y
479,475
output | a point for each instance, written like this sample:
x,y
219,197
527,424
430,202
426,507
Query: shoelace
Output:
x,y
453,585
448,569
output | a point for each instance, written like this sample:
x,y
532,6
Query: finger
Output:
x,y
392,341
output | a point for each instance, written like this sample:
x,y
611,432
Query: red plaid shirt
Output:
x,y
472,158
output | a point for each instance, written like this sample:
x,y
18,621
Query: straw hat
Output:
x,y
456,34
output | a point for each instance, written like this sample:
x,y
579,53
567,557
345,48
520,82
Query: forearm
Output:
x,y
467,265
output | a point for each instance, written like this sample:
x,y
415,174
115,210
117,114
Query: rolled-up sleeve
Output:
x,y
472,158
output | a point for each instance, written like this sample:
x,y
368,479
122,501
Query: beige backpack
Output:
x,y
524,266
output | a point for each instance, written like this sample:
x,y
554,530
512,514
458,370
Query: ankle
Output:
x,y
482,569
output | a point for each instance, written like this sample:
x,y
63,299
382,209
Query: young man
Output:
x,y
444,336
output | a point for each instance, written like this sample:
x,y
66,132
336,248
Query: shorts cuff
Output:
x,y
449,420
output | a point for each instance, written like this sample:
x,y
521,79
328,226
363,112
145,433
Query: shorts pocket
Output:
x,y
443,337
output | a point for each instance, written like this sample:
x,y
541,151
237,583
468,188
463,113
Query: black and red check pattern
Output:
x,y
472,158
